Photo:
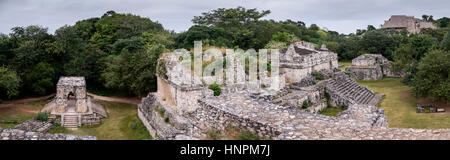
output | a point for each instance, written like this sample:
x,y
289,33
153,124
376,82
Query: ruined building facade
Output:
x,y
409,23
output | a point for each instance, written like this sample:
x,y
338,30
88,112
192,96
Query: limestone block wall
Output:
x,y
211,117
15,134
366,73
294,75
62,94
363,62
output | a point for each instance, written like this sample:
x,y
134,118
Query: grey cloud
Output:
x,y
341,15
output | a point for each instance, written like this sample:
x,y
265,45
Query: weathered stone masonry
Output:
x,y
182,111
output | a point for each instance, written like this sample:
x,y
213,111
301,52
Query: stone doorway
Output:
x,y
71,103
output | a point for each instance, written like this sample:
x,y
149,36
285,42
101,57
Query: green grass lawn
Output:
x,y
18,113
346,64
400,106
331,111
122,123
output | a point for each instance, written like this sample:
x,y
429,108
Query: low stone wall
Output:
x,y
15,134
162,121
33,125
366,73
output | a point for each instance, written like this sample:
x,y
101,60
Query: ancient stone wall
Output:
x,y
366,73
15,134
71,85
372,67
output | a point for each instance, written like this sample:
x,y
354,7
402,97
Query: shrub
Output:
x,y
160,110
167,120
214,134
216,88
348,73
247,135
343,106
134,124
318,75
42,116
306,104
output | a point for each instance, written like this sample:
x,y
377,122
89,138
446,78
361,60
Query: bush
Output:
x,y
348,73
247,135
167,120
318,75
134,124
214,134
306,104
160,110
216,88
42,116
343,106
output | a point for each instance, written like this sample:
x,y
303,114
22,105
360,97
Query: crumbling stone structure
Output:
x,y
16,134
371,67
72,105
179,110
300,59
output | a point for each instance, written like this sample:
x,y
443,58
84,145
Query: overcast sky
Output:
x,y
344,16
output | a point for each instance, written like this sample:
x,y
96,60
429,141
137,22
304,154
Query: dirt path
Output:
x,y
133,100
26,100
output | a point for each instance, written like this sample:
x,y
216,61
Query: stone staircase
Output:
x,y
70,121
349,89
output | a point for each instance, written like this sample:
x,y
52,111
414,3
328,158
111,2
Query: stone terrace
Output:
x,y
348,91
358,122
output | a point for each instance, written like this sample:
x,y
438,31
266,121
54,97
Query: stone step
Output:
x,y
361,96
71,121
368,99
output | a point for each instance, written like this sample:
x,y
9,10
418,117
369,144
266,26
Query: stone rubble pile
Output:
x,y
33,125
15,134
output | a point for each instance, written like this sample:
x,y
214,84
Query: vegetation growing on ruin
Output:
x,y
331,111
42,116
216,89
318,75
307,103
161,111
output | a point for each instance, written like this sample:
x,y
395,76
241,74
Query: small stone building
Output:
x,y
371,67
72,106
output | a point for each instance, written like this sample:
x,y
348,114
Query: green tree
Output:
x,y
284,37
239,17
9,83
377,42
42,78
445,43
404,56
433,76
421,43
133,71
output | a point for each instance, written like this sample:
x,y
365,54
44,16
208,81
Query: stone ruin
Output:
x,y
16,134
34,129
302,58
179,110
71,106
371,67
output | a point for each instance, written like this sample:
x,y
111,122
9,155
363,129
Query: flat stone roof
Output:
x,y
71,81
